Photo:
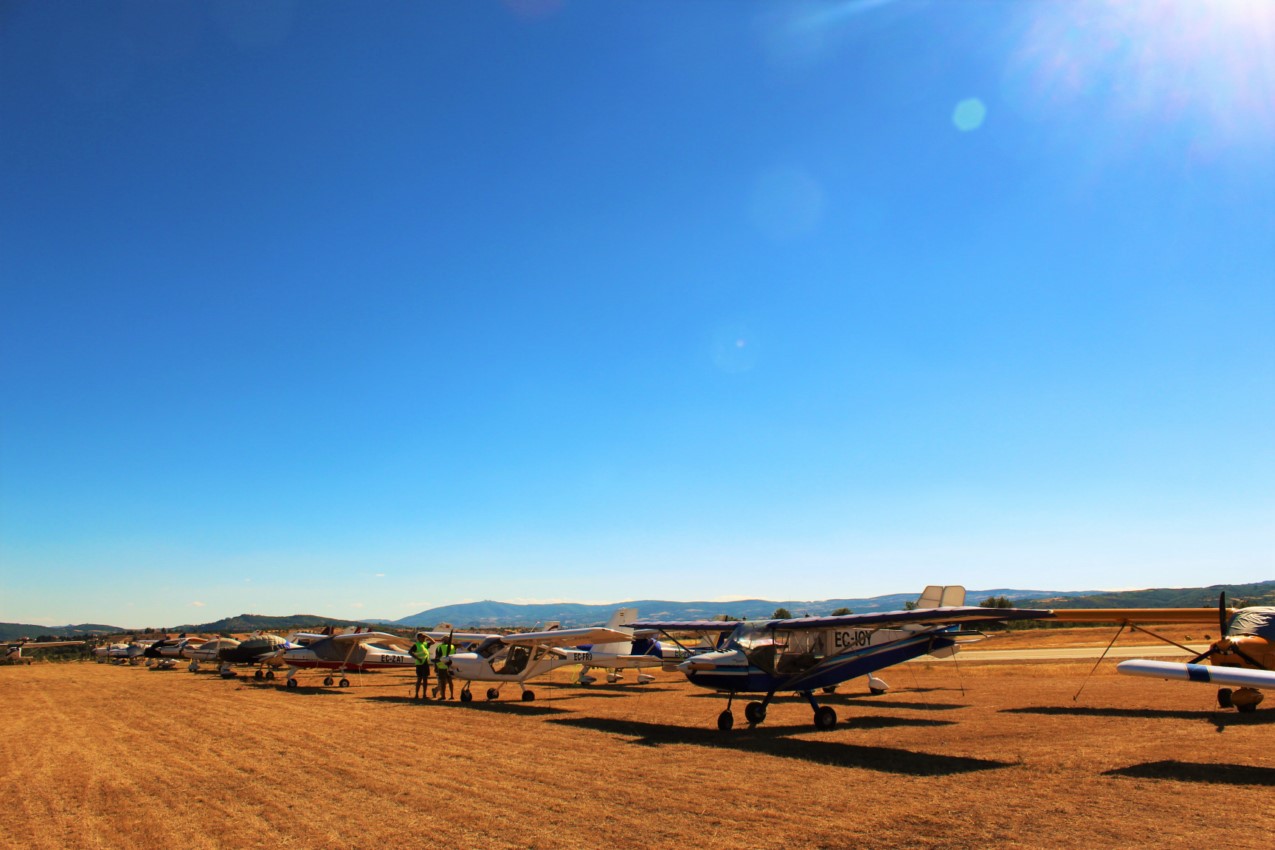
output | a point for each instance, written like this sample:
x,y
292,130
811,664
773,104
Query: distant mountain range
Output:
x,y
490,614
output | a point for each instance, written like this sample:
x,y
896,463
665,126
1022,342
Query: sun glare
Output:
x,y
1206,68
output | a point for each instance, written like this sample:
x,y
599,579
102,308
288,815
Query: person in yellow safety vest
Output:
x,y
421,653
443,650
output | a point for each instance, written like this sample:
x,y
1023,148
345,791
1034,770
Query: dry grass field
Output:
x,y
987,755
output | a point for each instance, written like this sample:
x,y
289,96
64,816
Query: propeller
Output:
x,y
1221,615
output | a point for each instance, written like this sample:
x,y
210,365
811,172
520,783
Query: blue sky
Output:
x,y
361,309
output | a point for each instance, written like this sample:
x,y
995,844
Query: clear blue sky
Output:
x,y
358,309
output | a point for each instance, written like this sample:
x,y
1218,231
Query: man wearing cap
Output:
x,y
420,654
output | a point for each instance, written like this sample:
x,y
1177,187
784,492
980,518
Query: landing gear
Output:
x,y
270,675
725,721
290,683
645,678
876,686
1246,699
1224,698
754,713
344,683
327,681
259,675
825,718
465,695
528,696
493,693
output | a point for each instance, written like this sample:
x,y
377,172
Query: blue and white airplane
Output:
x,y
808,654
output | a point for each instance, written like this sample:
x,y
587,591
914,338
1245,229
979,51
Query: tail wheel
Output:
x,y
825,718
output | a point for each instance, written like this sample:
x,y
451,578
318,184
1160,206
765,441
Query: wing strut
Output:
x,y
1099,661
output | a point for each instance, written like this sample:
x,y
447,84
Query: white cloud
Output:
x,y
197,604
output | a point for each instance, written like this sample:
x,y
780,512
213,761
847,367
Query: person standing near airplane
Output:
x,y
421,654
443,652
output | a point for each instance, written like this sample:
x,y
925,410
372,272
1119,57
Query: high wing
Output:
x,y
1238,676
951,615
567,637
1139,615
48,644
685,625
378,638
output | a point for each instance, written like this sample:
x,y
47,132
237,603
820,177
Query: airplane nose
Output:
x,y
696,666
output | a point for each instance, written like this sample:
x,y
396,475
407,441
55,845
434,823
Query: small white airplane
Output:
x,y
642,650
13,649
505,659
1246,679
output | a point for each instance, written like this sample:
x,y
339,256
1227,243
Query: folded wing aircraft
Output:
x,y
807,654
502,659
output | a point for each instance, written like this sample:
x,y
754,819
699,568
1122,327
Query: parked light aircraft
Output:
x,y
640,651
358,652
807,654
13,649
505,659
1246,643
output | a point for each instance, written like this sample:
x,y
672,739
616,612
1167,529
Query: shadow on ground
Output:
x,y
776,741
495,706
1220,719
1214,774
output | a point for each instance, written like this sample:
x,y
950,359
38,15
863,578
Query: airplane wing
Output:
x,y
48,644
1139,615
567,637
951,615
685,625
1239,676
380,638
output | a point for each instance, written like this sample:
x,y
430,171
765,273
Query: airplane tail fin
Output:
x,y
622,617
939,596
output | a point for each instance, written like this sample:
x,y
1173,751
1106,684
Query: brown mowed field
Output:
x,y
987,755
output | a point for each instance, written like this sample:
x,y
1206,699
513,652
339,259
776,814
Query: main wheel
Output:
x,y
825,718
328,681
754,713
725,721
291,683
1224,697
258,675
270,675
528,696
466,696
344,683
492,693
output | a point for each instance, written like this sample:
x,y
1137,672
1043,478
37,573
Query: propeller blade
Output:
x,y
1221,614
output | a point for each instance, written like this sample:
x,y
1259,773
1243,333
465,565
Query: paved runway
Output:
x,y
1162,651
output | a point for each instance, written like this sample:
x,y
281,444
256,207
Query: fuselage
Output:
x,y
757,659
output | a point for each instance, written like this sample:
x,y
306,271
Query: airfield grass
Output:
x,y
988,755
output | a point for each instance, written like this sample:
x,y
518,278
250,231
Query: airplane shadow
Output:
x,y
1220,719
1215,774
775,741
494,706
879,702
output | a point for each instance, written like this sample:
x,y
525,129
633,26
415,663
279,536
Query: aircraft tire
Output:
x,y
1224,697
825,718
528,696
492,693
258,675
1246,708
466,696
327,681
755,713
269,675
344,683
292,683
830,690
725,721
